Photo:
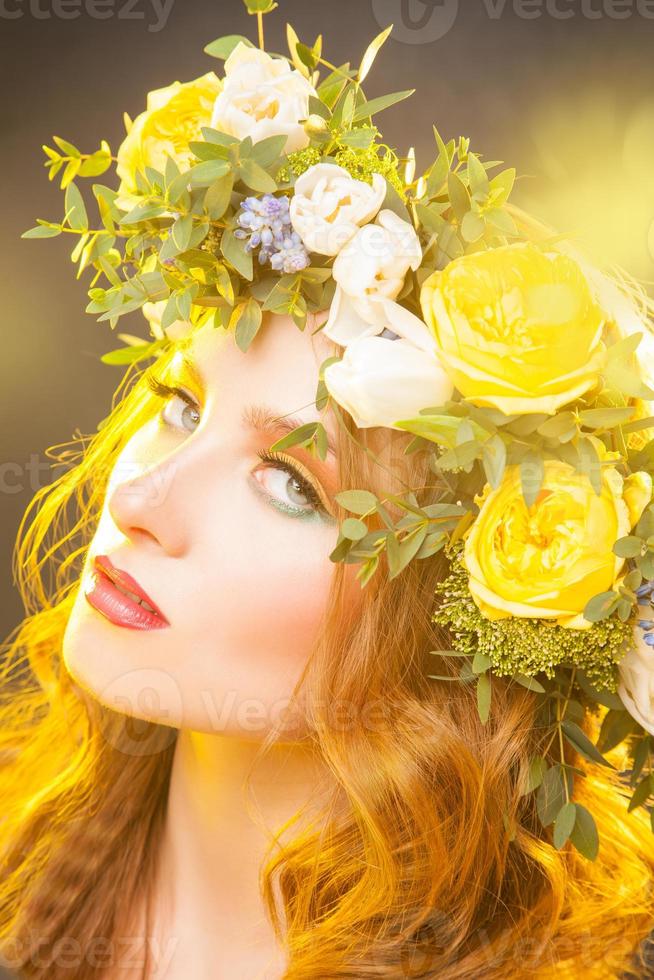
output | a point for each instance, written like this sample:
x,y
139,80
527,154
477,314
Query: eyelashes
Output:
x,y
167,391
306,487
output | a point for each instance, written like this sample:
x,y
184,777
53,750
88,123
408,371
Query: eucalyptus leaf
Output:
x,y
584,834
222,47
564,824
367,109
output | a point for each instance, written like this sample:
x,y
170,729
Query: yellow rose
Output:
x,y
548,560
173,118
518,328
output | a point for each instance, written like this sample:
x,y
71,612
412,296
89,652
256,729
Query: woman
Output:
x,y
193,634
130,784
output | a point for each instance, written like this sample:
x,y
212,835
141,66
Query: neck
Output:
x,y
214,841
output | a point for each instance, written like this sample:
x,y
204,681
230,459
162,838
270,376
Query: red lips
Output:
x,y
104,564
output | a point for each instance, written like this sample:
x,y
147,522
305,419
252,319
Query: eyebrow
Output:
x,y
192,370
263,419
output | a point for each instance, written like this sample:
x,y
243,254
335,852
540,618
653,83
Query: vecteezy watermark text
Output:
x,y
154,12
426,21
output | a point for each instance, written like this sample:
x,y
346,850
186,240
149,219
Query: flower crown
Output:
x,y
510,361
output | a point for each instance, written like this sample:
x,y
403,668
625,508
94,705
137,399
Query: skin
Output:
x,y
244,587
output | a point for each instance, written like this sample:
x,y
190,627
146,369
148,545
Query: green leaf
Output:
x,y
430,217
601,606
537,769
357,501
501,185
589,463
559,426
306,55
580,741
642,793
259,6
371,53
483,697
75,209
367,109
529,682
256,177
354,529
494,460
584,835
268,150
333,84
477,178
564,824
501,220
473,227
361,137
616,726
628,547
222,47
41,231
203,174
247,321
127,355
98,163
234,251
217,198
181,232
480,662
142,212
408,548
532,473
68,148
551,795
459,195
596,418
301,434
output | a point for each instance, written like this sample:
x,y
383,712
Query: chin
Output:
x,y
111,665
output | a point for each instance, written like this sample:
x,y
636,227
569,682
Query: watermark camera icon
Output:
x,y
416,21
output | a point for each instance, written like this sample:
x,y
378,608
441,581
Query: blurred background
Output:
x,y
561,89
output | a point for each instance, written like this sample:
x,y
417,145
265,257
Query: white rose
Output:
x,y
262,96
329,206
380,381
177,329
636,671
371,268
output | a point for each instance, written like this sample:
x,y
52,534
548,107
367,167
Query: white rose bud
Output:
x,y
369,269
329,206
262,96
381,381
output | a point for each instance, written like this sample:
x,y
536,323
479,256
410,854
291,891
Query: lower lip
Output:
x,y
118,608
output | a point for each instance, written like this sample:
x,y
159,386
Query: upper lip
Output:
x,y
123,578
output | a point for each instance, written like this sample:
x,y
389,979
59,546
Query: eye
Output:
x,y
288,489
180,408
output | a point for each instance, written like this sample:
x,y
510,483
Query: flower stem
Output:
x,y
260,27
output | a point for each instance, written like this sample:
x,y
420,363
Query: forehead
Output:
x,y
280,367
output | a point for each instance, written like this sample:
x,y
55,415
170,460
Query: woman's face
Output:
x,y
230,547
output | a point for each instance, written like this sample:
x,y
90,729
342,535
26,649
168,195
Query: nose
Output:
x,y
154,505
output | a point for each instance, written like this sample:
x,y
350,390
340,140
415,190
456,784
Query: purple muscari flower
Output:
x,y
649,639
266,224
646,624
291,255
645,589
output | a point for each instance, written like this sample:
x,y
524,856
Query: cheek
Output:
x,y
270,595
